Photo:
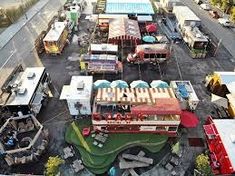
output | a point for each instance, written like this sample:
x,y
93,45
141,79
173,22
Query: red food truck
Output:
x,y
150,53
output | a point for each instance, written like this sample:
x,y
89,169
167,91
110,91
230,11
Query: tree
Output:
x,y
226,5
215,2
232,15
203,164
52,166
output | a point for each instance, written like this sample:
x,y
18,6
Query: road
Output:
x,y
227,35
17,41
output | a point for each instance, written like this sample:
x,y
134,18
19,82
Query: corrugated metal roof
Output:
x,y
129,7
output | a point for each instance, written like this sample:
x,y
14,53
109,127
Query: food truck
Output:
x,y
25,90
150,53
136,110
185,93
196,41
100,63
223,85
78,95
56,38
103,48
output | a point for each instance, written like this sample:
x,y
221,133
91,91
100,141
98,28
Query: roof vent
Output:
x,y
31,75
80,85
22,91
104,47
232,136
198,35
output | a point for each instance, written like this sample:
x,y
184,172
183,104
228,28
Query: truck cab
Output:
x,y
154,53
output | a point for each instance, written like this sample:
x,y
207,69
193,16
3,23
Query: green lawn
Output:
x,y
98,160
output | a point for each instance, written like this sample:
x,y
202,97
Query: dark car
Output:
x,y
214,14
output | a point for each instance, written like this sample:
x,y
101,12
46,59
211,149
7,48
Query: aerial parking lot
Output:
x,y
99,125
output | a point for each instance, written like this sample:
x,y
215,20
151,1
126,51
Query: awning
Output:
x,y
151,28
189,119
144,18
209,130
163,106
220,101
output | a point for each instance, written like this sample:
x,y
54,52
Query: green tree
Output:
x,y
232,14
216,2
52,166
226,5
203,164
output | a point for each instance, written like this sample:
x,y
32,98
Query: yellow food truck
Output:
x,y
56,38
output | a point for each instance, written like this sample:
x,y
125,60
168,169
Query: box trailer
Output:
x,y
25,90
56,39
78,95
185,93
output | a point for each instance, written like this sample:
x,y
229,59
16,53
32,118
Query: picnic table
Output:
x,y
77,165
68,152
100,138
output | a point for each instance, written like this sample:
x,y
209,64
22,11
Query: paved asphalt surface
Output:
x,y
20,48
55,115
227,35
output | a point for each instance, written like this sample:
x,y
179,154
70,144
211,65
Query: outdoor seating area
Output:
x,y
98,156
99,139
70,157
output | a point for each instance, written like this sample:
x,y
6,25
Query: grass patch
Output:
x,y
98,160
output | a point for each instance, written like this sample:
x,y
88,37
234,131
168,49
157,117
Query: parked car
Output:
x,y
224,22
205,6
199,2
214,14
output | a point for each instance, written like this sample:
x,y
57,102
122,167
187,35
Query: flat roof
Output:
x,y
129,7
226,77
152,48
99,57
104,47
226,130
143,18
188,86
80,88
196,34
55,33
185,13
27,85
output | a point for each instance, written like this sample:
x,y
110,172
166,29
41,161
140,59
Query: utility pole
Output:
x,y
217,48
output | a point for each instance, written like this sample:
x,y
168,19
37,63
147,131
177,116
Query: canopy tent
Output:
x,y
149,39
159,84
139,84
151,28
161,38
124,31
101,84
188,119
163,106
220,101
119,84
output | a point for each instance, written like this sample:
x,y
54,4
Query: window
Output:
x,y
161,128
172,128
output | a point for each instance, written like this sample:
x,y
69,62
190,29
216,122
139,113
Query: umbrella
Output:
x,y
188,119
176,148
139,84
220,101
151,28
119,84
159,84
149,39
101,84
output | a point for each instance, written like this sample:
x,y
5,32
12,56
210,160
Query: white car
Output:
x,y
205,6
224,22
